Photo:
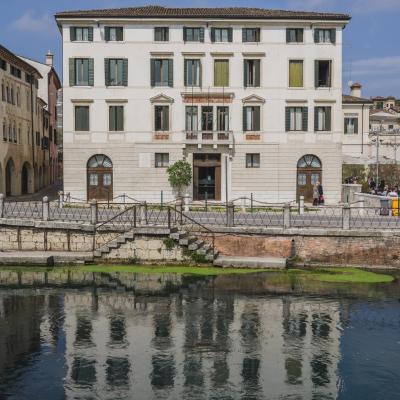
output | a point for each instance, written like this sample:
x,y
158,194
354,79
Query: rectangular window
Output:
x,y
323,73
296,73
251,34
251,118
325,35
296,119
81,118
252,73
193,34
191,119
161,34
114,33
116,118
82,71
161,160
116,72
15,72
221,73
3,65
207,118
222,118
350,125
221,35
294,35
322,118
252,160
81,34
162,72
192,71
161,118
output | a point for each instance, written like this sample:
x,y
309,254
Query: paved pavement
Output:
x,y
50,191
44,258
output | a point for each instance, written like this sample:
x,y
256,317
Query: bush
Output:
x,y
179,175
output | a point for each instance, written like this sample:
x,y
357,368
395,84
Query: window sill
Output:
x,y
297,132
323,132
296,87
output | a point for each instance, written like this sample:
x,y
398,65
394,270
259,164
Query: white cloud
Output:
x,y
30,22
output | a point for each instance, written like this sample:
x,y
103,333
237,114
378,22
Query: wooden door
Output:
x,y
306,179
100,184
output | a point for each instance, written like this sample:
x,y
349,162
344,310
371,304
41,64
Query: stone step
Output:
x,y
113,244
128,235
196,245
206,249
121,240
251,262
178,235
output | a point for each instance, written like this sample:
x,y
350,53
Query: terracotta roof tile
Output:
x,y
355,100
224,13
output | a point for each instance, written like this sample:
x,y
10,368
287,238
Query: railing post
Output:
x,y
251,202
169,217
206,201
1,205
301,205
346,216
286,216
162,199
187,198
181,211
134,216
143,217
60,199
243,204
45,209
93,212
230,214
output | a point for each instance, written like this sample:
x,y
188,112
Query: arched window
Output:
x,y
99,160
8,94
14,132
10,132
3,91
4,130
18,98
309,161
19,133
12,95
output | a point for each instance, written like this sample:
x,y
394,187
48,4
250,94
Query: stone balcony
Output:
x,y
213,138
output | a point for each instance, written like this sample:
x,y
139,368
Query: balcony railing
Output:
x,y
383,131
209,137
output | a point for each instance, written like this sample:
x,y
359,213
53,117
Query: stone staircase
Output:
x,y
192,244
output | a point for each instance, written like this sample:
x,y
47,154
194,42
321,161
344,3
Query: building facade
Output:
x,y
252,98
20,120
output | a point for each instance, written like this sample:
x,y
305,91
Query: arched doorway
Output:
x,y
10,177
309,172
25,178
99,178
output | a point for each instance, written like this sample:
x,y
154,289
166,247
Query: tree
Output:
x,y
179,175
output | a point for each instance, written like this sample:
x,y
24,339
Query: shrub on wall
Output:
x,y
179,175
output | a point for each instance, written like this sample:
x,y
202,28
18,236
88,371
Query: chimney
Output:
x,y
49,59
355,90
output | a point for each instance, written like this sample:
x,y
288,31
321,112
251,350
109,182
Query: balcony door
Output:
x,y
206,176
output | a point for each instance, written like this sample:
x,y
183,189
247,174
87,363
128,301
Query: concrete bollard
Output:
x,y
143,214
60,199
346,216
243,200
186,201
230,214
286,216
45,209
93,212
301,205
1,205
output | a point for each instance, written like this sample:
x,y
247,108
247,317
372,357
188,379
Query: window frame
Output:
x,y
253,127
316,122
251,160
317,77
75,119
116,106
296,41
161,106
355,126
107,33
257,35
159,161
299,61
219,60
229,32
246,72
303,112
186,71
162,30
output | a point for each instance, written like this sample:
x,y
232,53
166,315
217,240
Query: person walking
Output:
x,y
315,194
321,199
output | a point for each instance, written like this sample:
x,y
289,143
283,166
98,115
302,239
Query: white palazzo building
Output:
x,y
252,98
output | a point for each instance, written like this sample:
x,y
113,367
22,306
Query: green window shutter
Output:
x,y
72,72
200,74
328,116
125,72
120,118
72,34
107,33
120,34
170,73
333,35
315,119
345,125
230,34
287,119
301,36
245,72
355,125
258,73
304,113
258,35
185,72
257,118
316,75
166,118
152,72
201,35
216,73
213,35
287,36
90,34
91,71
243,34
107,71
111,112
244,118
225,69
184,34
316,35
330,74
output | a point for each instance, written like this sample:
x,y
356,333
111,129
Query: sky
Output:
x,y
371,43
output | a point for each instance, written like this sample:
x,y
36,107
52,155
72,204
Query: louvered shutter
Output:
x,y
72,34
72,72
120,118
184,34
316,74
300,38
213,35
170,73
200,74
107,71
245,72
244,118
316,35
166,118
315,119
304,113
258,73
287,119
330,74
107,33
328,120
287,36
185,72
345,125
356,125
333,35
244,35
111,118
125,72
230,34
152,72
91,71
90,34
120,34
257,118
258,35
201,35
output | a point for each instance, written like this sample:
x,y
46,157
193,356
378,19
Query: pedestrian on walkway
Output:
x,y
321,199
315,194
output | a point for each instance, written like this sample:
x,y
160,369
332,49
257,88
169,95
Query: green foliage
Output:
x,y
179,175
169,243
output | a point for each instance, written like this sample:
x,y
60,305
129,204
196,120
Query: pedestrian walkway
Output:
x,y
44,258
251,262
50,191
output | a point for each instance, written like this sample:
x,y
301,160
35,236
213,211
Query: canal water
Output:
x,y
66,334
